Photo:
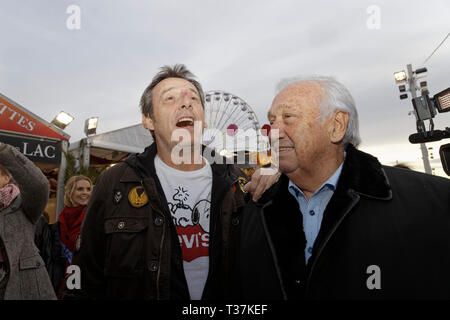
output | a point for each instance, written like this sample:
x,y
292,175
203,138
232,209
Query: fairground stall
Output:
x,y
41,142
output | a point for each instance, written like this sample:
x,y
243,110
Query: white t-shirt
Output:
x,y
188,195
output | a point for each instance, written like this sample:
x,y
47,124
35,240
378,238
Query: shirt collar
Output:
x,y
331,183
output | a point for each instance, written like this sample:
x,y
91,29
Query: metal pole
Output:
x,y
423,147
86,153
61,176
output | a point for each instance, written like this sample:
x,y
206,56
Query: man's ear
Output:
x,y
338,126
147,122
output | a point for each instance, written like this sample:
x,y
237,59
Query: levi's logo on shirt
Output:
x,y
192,224
194,242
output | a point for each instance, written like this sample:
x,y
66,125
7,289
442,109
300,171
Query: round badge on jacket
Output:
x,y
242,182
137,197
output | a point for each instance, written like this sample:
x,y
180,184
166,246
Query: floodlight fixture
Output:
x,y
421,70
62,120
400,76
90,126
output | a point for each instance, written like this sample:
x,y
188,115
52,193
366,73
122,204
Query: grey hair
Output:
x,y
336,97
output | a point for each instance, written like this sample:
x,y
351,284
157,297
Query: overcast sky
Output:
x,y
243,47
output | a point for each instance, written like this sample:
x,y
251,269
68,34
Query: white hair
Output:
x,y
336,97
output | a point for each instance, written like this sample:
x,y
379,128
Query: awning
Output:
x,y
42,142
114,145
17,120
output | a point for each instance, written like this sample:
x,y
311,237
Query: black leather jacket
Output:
x,y
125,252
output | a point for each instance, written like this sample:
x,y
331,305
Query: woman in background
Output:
x,y
22,271
78,190
56,242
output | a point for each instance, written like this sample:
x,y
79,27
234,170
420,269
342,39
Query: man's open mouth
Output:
x,y
185,122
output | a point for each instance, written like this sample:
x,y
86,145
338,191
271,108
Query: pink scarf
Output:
x,y
7,194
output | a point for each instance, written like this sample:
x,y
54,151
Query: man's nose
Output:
x,y
277,129
186,99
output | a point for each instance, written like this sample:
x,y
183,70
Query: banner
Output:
x,y
16,120
37,150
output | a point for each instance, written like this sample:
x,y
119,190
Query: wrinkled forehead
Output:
x,y
173,84
300,96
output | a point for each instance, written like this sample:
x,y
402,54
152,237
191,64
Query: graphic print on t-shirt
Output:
x,y
192,224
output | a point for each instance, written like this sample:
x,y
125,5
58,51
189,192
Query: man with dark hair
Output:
x,y
177,71
157,227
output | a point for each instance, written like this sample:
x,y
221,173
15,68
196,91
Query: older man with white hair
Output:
x,y
338,224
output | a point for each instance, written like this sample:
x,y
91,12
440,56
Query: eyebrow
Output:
x,y
282,106
168,89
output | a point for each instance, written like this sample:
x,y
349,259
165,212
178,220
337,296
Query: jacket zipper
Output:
x,y
352,204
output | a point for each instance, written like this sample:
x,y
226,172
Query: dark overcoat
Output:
x,y
385,234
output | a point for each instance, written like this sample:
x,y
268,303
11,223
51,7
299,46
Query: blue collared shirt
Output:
x,y
313,209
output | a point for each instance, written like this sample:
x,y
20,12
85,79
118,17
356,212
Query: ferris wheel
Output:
x,y
232,125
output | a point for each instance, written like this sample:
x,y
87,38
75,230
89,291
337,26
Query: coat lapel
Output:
x,y
362,176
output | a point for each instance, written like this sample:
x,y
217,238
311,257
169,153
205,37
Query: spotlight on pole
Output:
x,y
90,126
400,76
420,70
62,120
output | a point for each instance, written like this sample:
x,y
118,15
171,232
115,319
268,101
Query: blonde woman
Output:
x,y
76,196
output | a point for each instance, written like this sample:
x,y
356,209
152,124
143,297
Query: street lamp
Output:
x,y
400,76
62,120
90,126
421,109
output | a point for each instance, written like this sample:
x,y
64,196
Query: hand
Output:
x,y
260,183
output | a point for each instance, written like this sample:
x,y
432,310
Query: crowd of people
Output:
x,y
332,223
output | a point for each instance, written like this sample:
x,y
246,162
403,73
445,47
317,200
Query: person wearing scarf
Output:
x,y
24,191
77,193
8,192
76,196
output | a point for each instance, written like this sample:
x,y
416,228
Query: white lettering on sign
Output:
x,y
50,155
48,152
16,117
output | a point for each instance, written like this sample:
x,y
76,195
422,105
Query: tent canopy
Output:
x,y
113,145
